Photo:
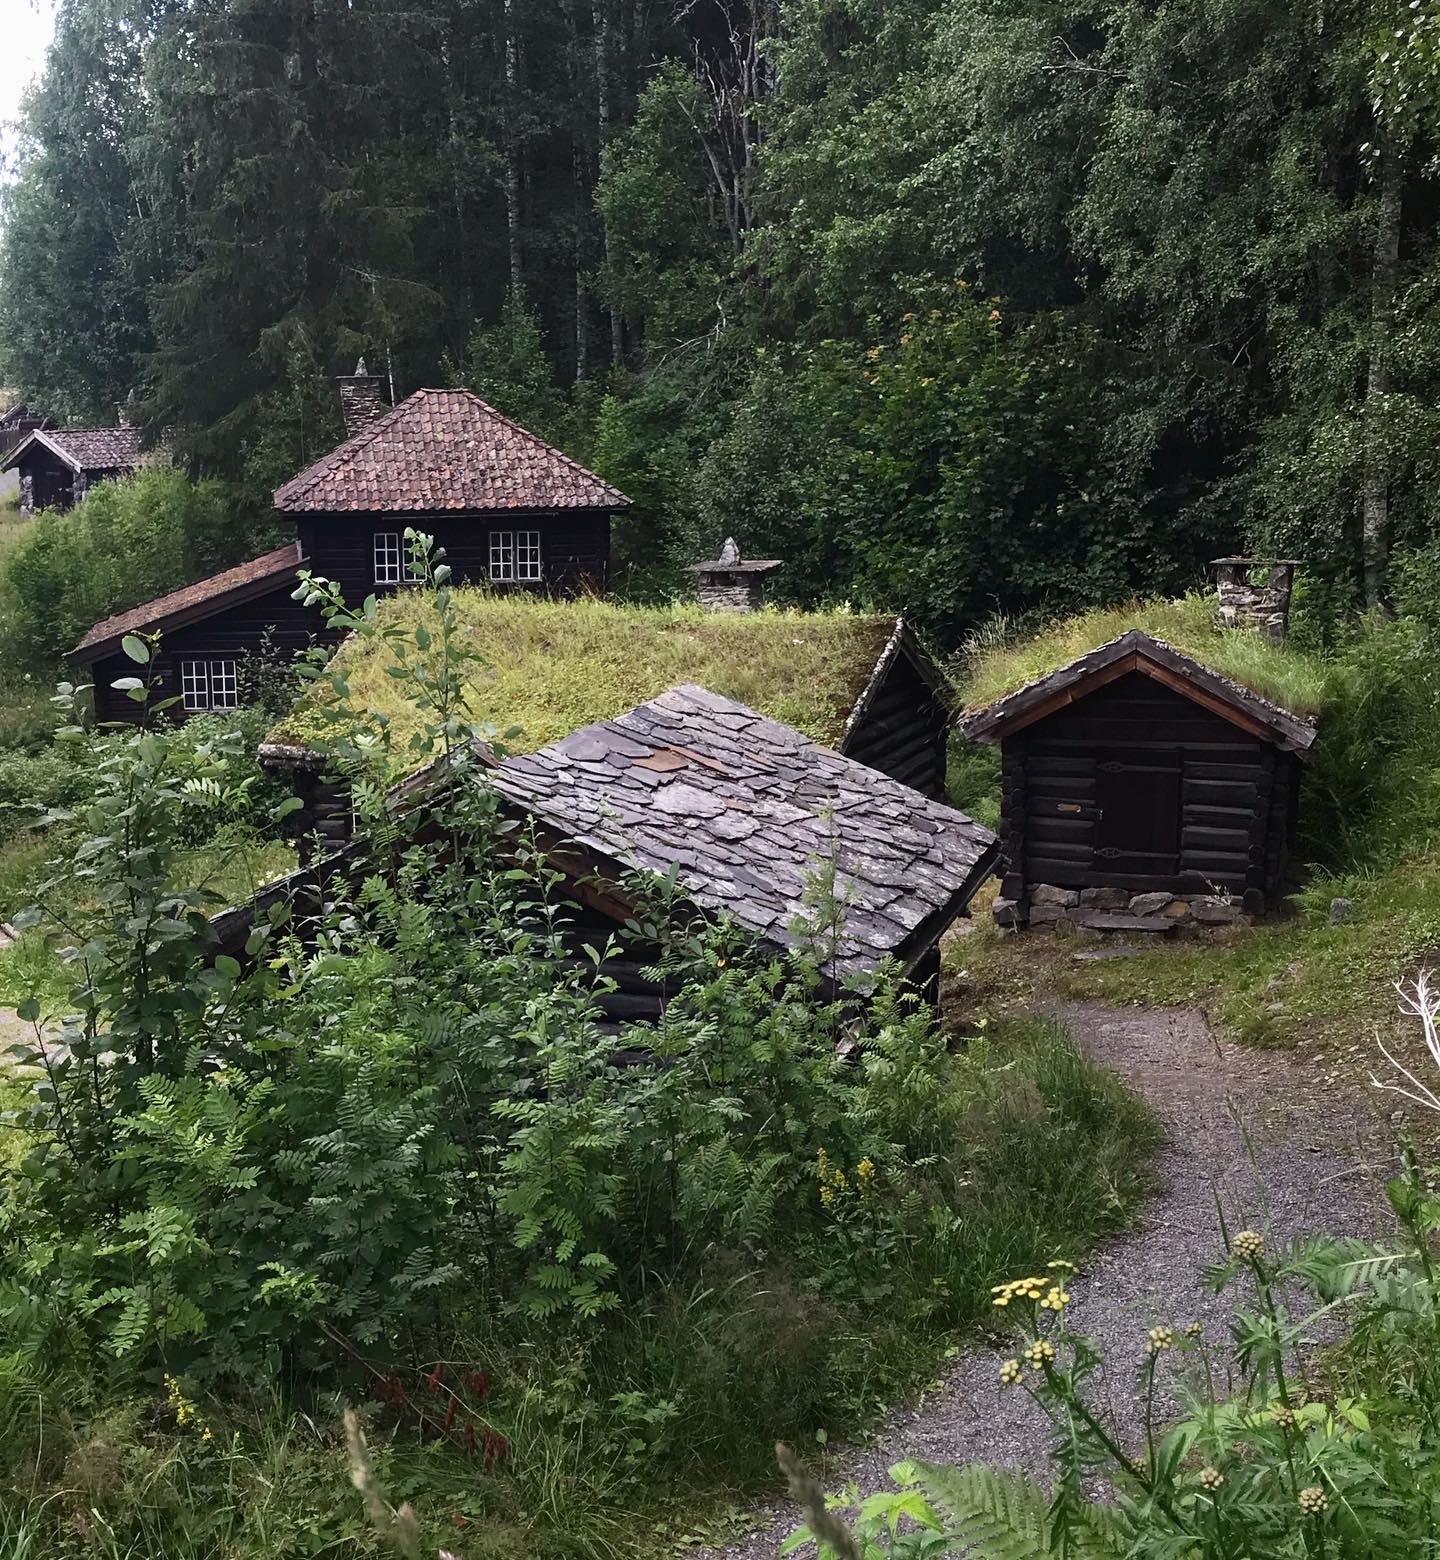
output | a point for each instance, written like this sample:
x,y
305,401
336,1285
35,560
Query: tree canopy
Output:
x,y
957,307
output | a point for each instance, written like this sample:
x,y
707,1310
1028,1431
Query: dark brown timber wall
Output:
x,y
229,635
902,732
1137,787
574,546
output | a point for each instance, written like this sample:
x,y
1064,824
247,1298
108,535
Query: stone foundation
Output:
x,y
1117,910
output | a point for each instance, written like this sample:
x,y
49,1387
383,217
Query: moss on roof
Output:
x,y
1291,678
553,666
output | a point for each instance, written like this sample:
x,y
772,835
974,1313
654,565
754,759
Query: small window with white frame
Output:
x,y
224,685
389,557
394,560
195,685
515,555
209,685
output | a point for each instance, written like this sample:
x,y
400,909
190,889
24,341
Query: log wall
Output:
x,y
1236,798
903,730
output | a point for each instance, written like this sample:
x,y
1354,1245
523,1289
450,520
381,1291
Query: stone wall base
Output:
x,y
1117,910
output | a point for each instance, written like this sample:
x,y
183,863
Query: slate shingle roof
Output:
x,y
219,590
746,809
91,449
1135,650
445,450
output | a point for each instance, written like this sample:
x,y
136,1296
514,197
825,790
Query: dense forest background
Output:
x,y
956,306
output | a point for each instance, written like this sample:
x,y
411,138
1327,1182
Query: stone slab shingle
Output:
x,y
745,809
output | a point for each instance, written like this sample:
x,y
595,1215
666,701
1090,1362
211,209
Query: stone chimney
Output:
x,y
1255,593
731,583
362,399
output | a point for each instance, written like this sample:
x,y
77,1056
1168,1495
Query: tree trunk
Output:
x,y
600,18
512,153
1375,482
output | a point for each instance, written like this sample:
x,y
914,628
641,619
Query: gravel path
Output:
x,y
1254,1128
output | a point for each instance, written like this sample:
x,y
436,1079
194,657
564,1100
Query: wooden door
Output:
x,y
1137,801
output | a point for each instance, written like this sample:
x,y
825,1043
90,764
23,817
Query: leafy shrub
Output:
x,y
398,1156
32,783
124,543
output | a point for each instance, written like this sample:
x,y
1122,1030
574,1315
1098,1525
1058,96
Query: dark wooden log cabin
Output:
x,y
1141,789
507,508
743,813
57,466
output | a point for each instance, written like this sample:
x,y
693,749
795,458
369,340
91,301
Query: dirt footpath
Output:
x,y
1255,1130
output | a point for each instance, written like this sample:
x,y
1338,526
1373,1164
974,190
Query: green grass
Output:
x,y
553,666
1289,677
32,966
1296,982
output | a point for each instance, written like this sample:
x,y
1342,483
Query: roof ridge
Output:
x,y
276,556
347,447
534,438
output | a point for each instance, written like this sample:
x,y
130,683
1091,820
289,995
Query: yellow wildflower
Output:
x,y
865,1170
1284,1417
1248,1246
1211,1479
1011,1372
1195,1329
1161,1338
1056,1299
1040,1353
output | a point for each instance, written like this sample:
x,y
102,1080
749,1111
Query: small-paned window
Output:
x,y
209,685
195,685
515,555
389,556
393,559
224,686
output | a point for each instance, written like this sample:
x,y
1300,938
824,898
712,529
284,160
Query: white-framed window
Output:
x,y
393,559
209,685
515,555
389,557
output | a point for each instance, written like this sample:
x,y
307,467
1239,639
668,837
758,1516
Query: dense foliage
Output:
x,y
954,307
124,543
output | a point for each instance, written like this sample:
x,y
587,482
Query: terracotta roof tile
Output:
x,y
93,449
445,450
217,590
747,811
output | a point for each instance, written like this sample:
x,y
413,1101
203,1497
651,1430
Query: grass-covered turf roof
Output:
x,y
552,666
1291,678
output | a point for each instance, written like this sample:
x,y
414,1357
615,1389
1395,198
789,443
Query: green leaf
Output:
x,y
228,967
136,649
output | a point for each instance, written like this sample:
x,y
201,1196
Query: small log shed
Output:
x,y
744,811
1141,789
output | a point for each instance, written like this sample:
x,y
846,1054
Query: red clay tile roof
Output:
x,y
219,591
445,450
91,449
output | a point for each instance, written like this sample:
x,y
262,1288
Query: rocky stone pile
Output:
x,y
1118,910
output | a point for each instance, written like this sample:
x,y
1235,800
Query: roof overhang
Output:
x,y
38,436
181,617
1136,652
